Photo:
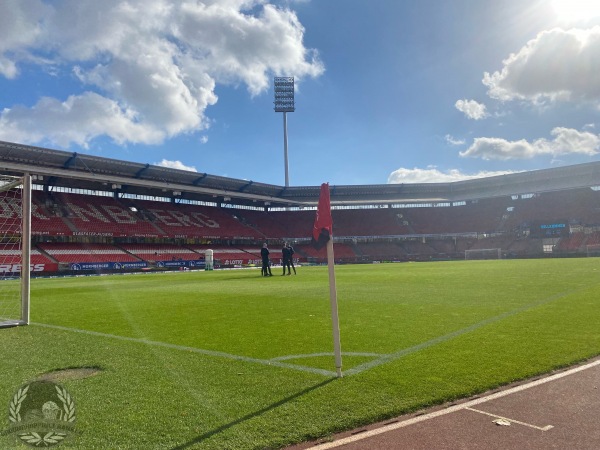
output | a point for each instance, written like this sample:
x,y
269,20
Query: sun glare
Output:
x,y
573,10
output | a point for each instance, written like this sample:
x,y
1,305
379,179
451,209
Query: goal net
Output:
x,y
592,250
15,249
484,253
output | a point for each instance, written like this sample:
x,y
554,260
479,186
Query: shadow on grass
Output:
x,y
260,412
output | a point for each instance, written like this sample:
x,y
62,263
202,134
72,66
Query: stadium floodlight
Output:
x,y
284,94
284,102
15,249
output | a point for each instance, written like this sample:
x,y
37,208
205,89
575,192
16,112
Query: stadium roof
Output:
x,y
56,168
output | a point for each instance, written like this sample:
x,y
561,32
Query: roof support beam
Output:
x,y
246,186
70,161
198,180
140,172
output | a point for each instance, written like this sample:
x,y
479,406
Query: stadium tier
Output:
x,y
14,257
410,233
161,252
77,253
124,215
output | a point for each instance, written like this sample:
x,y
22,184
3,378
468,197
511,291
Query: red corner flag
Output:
x,y
322,229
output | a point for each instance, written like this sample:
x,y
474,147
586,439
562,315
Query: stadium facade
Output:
x,y
99,214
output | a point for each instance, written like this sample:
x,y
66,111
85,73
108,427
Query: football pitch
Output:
x,y
233,360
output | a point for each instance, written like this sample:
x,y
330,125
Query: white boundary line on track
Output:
x,y
451,409
535,427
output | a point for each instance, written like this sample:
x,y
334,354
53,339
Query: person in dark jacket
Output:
x,y
285,256
291,254
266,263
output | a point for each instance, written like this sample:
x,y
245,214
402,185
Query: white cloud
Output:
x,y
433,175
565,141
76,120
497,148
452,141
175,165
148,68
471,109
20,27
556,65
288,2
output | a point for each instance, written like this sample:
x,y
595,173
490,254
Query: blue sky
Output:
x,y
388,91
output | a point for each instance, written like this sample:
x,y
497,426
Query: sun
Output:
x,y
575,10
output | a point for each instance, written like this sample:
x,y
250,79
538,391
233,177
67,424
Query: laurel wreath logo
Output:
x,y
49,439
68,404
14,408
35,438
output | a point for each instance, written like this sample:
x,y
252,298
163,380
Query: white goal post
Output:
x,y
15,249
484,253
592,250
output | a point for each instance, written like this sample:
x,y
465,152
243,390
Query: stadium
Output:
x,y
443,215
96,214
174,356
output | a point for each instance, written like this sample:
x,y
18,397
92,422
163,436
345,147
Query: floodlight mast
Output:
x,y
284,102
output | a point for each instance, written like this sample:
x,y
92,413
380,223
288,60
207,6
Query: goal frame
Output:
x,y
25,273
495,251
592,250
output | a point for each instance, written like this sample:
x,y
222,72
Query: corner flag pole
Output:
x,y
335,322
322,236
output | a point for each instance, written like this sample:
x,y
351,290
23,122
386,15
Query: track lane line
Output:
x,y
452,409
546,428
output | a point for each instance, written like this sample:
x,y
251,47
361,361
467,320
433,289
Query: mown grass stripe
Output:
x,y
446,337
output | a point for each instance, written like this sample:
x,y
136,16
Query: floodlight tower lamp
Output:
x,y
284,102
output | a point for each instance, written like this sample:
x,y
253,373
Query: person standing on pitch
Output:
x,y
291,255
266,264
285,256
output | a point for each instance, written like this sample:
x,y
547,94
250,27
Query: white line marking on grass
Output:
x,y
546,428
264,362
381,359
446,337
311,355
451,409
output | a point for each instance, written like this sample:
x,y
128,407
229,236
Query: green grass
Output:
x,y
412,335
